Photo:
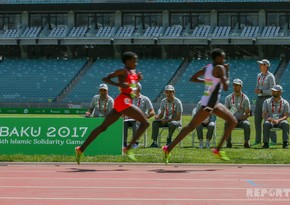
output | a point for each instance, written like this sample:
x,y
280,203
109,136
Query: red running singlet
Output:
x,y
124,100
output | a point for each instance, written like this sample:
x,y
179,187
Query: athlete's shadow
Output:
x,y
181,171
73,170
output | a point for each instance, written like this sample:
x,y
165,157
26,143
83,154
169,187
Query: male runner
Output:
x,y
215,79
127,81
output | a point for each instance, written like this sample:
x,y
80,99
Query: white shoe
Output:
x,y
207,145
201,145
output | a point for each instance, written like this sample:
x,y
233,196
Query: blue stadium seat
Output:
x,y
36,80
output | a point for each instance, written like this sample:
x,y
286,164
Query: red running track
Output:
x,y
63,184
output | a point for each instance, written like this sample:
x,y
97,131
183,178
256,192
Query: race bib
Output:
x,y
276,116
233,110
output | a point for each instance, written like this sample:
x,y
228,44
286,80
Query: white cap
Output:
x,y
265,62
277,88
169,87
238,81
103,86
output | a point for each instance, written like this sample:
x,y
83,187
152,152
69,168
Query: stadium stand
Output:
x,y
221,31
173,31
153,32
105,32
88,86
270,31
59,31
285,83
188,92
125,31
11,33
250,31
156,75
201,31
48,1
35,80
78,32
154,78
31,32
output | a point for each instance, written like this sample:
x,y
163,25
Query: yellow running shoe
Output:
x,y
78,153
167,154
220,154
130,154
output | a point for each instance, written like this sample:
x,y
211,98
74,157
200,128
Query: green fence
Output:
x,y
57,136
42,111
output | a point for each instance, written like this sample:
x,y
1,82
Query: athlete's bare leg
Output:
x,y
200,116
112,117
139,116
221,111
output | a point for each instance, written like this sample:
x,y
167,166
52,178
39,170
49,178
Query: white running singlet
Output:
x,y
213,87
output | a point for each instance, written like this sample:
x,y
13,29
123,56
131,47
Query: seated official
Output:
x,y
101,104
208,123
169,116
145,105
239,105
275,114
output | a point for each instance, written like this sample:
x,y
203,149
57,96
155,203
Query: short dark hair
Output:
x,y
216,52
128,56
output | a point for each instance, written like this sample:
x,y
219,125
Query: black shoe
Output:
x,y
168,142
285,145
265,146
229,145
246,145
154,145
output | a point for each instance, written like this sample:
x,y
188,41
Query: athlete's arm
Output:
x,y
196,77
118,73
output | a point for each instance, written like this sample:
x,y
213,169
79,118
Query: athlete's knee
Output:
x,y
232,123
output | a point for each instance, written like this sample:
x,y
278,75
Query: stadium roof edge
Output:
x,y
188,6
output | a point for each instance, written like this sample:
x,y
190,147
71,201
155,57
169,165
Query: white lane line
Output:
x,y
151,171
139,179
121,187
142,199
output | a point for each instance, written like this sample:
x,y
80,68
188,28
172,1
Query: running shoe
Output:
x,y
220,154
78,153
130,154
167,155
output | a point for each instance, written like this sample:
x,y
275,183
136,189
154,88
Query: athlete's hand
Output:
x,y
124,85
227,67
88,114
140,76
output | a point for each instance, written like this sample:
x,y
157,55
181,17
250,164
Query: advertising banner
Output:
x,y
42,111
57,136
